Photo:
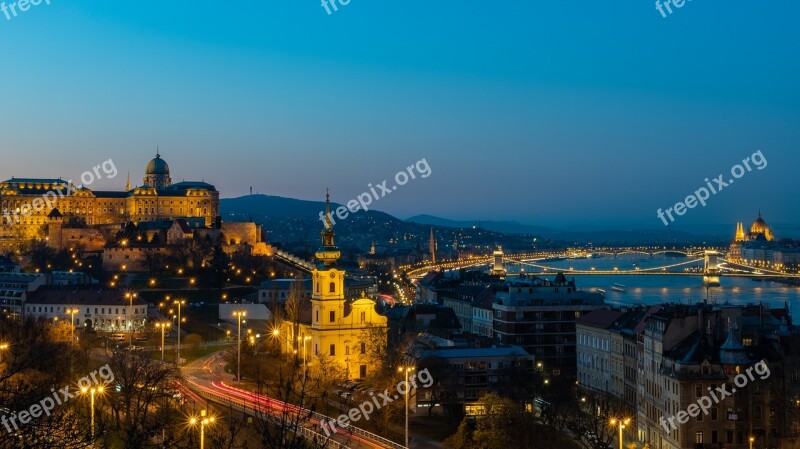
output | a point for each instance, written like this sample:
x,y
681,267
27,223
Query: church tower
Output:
x,y
327,298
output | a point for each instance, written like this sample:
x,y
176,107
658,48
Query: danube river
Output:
x,y
656,289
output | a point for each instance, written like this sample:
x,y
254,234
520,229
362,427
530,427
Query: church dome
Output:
x,y
157,166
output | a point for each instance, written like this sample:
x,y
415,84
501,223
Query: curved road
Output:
x,y
204,378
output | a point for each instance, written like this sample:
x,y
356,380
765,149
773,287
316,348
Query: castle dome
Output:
x,y
157,166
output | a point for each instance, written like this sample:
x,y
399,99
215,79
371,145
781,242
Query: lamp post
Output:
x,y
92,392
71,312
406,370
304,339
129,296
203,421
752,440
3,348
163,327
179,303
239,314
621,423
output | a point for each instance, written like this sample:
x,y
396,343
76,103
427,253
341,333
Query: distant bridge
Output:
x,y
714,264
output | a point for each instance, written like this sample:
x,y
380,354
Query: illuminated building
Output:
x,y
25,215
336,328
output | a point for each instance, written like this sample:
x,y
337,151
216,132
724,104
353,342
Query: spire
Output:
x,y
328,253
128,185
432,246
158,155
328,224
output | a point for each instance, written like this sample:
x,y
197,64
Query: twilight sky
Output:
x,y
556,113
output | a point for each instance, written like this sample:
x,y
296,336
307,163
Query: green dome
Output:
x,y
157,166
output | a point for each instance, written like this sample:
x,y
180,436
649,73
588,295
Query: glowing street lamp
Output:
x,y
163,326
752,440
129,296
3,348
204,421
621,423
92,392
305,364
406,370
179,303
239,314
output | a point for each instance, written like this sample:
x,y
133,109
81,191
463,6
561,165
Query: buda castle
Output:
x,y
26,216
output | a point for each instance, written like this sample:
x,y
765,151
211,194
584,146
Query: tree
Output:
x,y
144,385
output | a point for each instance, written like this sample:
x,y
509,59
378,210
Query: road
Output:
x,y
205,378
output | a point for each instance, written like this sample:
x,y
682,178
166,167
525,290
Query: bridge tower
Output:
x,y
711,269
498,269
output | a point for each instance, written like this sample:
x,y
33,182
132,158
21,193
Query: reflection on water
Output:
x,y
656,289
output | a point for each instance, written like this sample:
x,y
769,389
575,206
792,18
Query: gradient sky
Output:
x,y
557,113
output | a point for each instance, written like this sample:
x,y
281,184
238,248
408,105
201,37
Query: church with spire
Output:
x,y
337,329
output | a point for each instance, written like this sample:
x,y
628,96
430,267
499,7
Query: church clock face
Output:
x,y
333,275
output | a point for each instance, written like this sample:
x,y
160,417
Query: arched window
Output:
x,y
333,287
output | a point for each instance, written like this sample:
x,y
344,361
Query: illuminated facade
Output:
x,y
759,230
27,203
337,327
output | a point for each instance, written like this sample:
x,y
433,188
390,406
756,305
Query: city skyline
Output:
x,y
349,99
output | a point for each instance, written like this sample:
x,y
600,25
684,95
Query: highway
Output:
x,y
204,379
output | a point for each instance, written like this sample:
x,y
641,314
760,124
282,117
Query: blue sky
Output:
x,y
553,113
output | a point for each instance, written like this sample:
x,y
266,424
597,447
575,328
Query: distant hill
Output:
x,y
283,215
509,227
278,207
620,236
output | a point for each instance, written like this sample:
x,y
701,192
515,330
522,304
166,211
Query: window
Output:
x,y
362,371
333,350
363,317
317,316
698,438
714,437
714,415
347,350
332,287
757,413
363,348
698,391
333,316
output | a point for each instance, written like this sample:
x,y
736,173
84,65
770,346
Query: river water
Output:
x,y
657,289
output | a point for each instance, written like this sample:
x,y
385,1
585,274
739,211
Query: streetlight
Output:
x,y
406,370
3,348
163,327
239,314
71,312
179,303
203,421
752,440
621,423
129,296
305,365
92,391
